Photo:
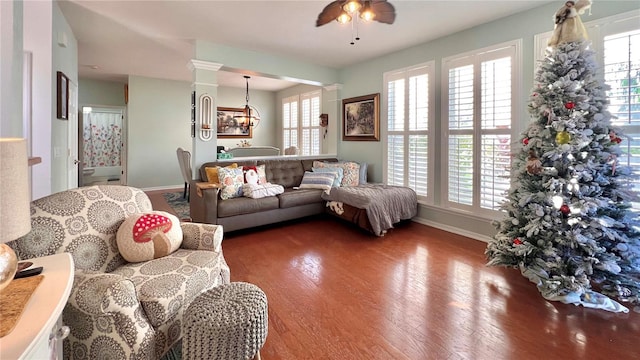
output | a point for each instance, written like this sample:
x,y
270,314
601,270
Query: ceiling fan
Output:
x,y
344,10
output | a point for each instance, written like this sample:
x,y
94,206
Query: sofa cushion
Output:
x,y
287,173
231,181
258,191
164,285
222,163
244,205
339,174
148,236
212,173
262,174
318,180
290,197
351,171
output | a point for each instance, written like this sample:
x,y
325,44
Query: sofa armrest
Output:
x,y
203,203
103,305
197,236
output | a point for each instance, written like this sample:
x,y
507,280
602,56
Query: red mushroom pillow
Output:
x,y
148,236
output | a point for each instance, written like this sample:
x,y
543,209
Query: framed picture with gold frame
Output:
x,y
230,128
361,118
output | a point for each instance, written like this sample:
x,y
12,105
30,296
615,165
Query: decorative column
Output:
x,y
332,105
203,113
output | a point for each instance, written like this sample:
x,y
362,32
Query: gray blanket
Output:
x,y
385,204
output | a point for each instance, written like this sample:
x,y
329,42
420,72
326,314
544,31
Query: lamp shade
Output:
x,y
15,217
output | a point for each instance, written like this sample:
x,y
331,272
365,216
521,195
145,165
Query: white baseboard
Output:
x,y
168,187
454,230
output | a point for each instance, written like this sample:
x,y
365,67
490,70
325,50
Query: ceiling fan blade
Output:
x,y
385,12
330,13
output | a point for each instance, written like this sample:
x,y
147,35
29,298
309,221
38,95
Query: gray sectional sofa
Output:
x,y
241,213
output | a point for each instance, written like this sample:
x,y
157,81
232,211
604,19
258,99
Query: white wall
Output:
x,y
11,44
64,58
38,25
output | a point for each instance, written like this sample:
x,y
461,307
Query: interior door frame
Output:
x,y
73,162
123,149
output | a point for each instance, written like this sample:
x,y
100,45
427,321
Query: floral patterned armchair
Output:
x,y
117,309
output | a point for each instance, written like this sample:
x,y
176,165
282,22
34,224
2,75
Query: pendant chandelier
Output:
x,y
349,11
249,117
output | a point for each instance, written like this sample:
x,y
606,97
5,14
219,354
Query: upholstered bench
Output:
x,y
227,322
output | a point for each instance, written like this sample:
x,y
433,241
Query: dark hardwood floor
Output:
x,y
336,292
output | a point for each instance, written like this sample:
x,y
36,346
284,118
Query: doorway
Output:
x,y
102,146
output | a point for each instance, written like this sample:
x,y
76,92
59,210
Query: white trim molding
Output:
x,y
203,65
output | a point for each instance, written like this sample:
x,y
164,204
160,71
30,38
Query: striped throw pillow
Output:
x,y
316,180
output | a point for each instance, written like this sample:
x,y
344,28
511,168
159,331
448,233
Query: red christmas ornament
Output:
x,y
570,105
564,209
525,141
517,241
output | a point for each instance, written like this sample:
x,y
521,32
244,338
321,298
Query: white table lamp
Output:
x,y
15,218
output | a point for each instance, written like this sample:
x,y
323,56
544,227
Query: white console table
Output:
x,y
42,315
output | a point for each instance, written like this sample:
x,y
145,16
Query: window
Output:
x,y
616,41
478,111
409,95
290,122
622,75
301,122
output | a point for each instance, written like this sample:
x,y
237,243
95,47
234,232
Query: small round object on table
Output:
x,y
227,322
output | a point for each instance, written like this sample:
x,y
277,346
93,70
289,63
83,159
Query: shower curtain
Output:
x,y
102,136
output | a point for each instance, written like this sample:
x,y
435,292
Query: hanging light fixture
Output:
x,y
349,11
249,117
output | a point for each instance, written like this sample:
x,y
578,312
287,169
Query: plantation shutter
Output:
x,y
495,154
461,111
622,75
408,129
310,135
479,113
290,121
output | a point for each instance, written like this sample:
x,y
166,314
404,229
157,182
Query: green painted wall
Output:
x,y
99,92
158,123
265,101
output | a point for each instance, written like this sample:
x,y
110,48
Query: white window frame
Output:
x,y
300,128
476,57
428,69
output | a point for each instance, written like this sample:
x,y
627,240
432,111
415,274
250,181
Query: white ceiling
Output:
x,y
155,38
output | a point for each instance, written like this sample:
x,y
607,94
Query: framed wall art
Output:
x,y
62,96
228,127
361,118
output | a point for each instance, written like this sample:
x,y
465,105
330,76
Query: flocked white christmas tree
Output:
x,y
568,227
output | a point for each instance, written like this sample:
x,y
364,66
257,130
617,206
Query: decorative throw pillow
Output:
x,y
338,171
212,173
231,180
318,180
250,175
148,236
262,174
350,168
363,173
258,191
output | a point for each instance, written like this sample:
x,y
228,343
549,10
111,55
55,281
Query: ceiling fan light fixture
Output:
x,y
367,14
343,18
352,6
